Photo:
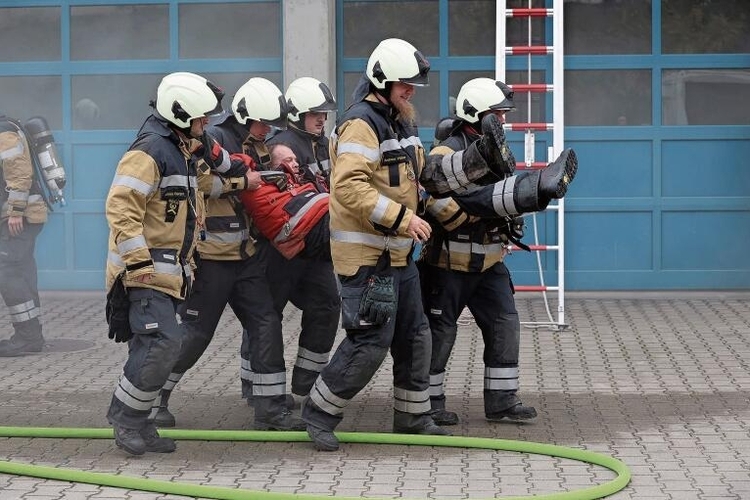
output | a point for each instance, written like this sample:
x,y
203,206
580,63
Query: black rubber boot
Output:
x,y
516,413
494,148
19,345
555,177
154,443
406,423
444,417
322,439
535,190
164,417
129,440
283,421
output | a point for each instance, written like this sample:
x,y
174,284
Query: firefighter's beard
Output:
x,y
406,110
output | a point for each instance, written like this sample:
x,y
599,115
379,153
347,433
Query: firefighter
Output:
x,y
309,101
376,158
232,268
22,217
465,267
153,210
307,280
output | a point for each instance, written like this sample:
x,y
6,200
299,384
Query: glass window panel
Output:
x,y
27,96
29,34
367,23
471,27
608,97
607,27
425,100
119,32
705,27
230,30
685,101
112,101
521,99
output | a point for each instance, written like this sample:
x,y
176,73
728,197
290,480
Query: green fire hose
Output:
x,y
221,493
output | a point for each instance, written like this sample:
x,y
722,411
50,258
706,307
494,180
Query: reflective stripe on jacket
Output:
x,y
375,161
19,194
469,248
153,211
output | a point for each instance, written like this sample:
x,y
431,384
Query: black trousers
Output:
x,y
18,279
360,354
152,352
489,297
309,284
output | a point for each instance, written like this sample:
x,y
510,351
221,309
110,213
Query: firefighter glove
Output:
x,y
275,177
378,303
213,153
118,311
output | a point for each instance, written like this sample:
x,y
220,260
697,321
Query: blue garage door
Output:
x,y
91,69
656,106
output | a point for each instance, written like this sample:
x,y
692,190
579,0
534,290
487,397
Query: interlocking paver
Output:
x,y
660,381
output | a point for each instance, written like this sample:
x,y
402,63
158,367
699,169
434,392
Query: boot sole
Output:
x,y
22,352
162,449
512,418
321,447
264,427
128,449
445,422
569,173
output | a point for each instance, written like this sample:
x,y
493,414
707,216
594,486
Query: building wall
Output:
x,y
655,107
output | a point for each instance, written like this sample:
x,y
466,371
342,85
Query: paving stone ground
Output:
x,y
660,381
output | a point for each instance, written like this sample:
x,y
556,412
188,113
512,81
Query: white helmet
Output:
x,y
183,96
308,94
396,60
260,100
482,94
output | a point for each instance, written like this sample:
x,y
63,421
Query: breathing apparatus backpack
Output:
x,y
50,173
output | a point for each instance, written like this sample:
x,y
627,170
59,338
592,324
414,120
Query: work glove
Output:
x,y
118,311
378,303
275,177
511,231
216,157
494,148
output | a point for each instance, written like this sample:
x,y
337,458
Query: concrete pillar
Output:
x,y
310,40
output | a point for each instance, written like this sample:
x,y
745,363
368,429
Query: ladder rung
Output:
x,y
531,87
527,126
538,248
537,50
536,165
534,288
535,12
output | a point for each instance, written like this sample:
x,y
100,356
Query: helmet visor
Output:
x,y
423,68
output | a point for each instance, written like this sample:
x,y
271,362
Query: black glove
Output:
x,y
117,311
511,231
212,152
515,227
494,148
378,303
275,177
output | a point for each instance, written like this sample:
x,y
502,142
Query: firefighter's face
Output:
x,y
315,121
500,113
259,130
196,127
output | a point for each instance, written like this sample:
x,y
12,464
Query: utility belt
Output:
x,y
475,242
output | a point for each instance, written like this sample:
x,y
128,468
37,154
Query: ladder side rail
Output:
x,y
558,142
